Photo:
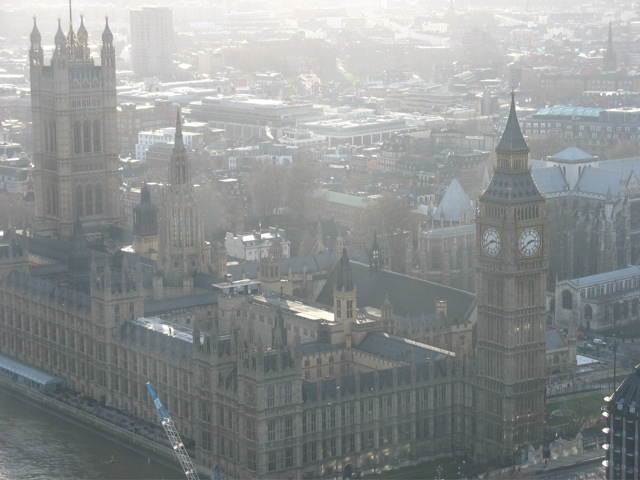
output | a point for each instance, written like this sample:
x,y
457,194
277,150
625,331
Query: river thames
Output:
x,y
37,445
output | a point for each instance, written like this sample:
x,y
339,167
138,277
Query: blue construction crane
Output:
x,y
174,437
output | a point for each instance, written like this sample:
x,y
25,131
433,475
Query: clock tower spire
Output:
x,y
512,263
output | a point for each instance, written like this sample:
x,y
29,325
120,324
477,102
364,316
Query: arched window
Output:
x,y
52,136
47,142
88,200
97,137
567,300
98,199
77,138
86,134
79,200
588,312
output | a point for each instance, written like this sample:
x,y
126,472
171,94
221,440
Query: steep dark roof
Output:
x,y
512,140
409,296
512,188
157,307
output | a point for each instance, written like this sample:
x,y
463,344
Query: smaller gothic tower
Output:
x,y
609,62
376,257
386,317
345,296
145,226
183,249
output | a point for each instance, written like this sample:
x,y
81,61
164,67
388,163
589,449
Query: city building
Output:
x,y
134,118
598,301
255,245
75,145
377,373
152,42
146,139
244,117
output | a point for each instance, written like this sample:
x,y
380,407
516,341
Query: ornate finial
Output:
x,y
513,87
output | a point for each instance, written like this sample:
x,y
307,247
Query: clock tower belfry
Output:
x,y
512,263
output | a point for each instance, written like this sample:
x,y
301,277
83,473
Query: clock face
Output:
x,y
529,243
491,241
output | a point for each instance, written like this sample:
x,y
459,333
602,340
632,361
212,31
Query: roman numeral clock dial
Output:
x,y
491,241
529,242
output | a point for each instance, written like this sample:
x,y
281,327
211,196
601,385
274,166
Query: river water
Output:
x,y
37,445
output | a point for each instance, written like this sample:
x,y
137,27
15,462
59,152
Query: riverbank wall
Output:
x,y
97,425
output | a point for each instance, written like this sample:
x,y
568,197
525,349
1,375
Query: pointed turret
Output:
x,y
107,36
60,40
107,52
512,140
179,170
36,55
83,35
344,280
609,62
35,33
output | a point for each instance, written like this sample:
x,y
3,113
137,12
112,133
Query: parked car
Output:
x,y
599,341
581,336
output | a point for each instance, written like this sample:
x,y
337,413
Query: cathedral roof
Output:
x,y
572,155
512,140
455,204
550,180
599,182
606,276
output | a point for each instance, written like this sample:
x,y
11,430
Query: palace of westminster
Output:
x,y
382,370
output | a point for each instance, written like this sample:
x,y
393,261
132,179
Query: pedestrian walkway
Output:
x,y
552,466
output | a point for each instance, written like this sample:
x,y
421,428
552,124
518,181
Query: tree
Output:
x,y
15,211
550,144
281,191
624,149
390,217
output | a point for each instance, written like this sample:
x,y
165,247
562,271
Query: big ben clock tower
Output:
x,y
512,262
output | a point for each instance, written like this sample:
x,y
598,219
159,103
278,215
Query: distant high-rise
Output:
x,y
75,143
152,42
